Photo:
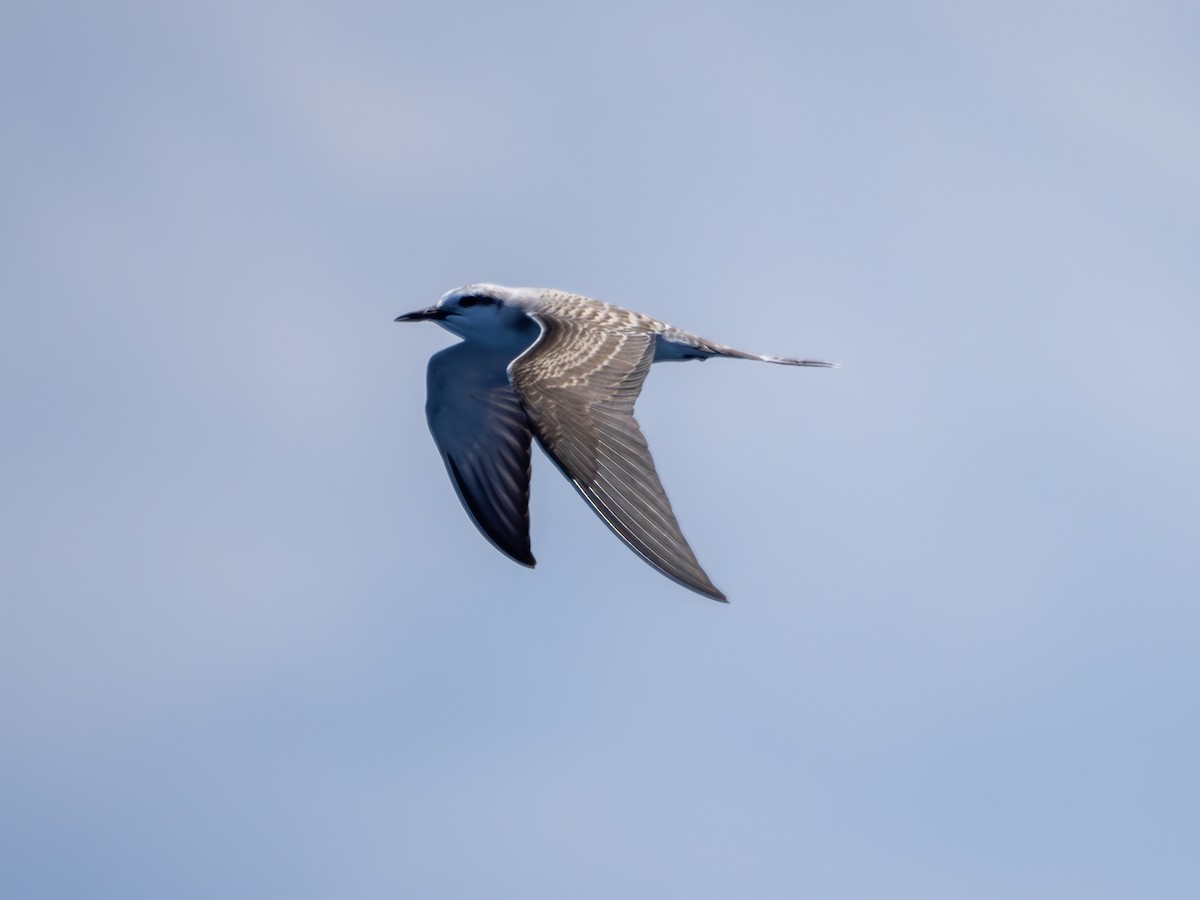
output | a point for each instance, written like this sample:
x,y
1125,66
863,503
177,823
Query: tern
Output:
x,y
566,369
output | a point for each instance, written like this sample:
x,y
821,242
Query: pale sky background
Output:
x,y
250,645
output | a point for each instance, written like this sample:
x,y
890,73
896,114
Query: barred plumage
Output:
x,y
566,369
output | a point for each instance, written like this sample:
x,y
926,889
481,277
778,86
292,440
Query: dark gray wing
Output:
x,y
578,385
480,428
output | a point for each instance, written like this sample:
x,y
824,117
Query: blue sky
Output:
x,y
251,646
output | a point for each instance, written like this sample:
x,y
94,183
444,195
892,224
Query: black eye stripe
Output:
x,y
469,301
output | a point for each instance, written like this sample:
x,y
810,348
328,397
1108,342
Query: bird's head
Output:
x,y
475,312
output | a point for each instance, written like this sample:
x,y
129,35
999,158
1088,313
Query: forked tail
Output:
x,y
788,361
674,344
722,350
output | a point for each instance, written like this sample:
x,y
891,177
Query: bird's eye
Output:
x,y
467,302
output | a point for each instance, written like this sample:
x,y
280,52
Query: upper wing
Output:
x,y
578,385
479,427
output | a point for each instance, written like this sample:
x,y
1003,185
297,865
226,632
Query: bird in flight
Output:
x,y
566,369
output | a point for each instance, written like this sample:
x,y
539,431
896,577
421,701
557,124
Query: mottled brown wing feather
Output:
x,y
578,385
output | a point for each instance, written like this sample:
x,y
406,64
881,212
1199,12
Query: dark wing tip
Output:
x,y
705,588
508,534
